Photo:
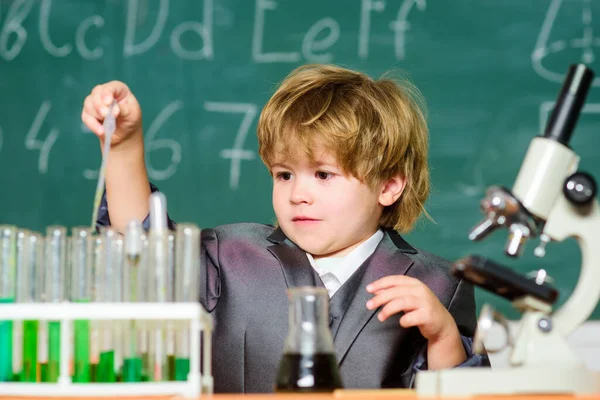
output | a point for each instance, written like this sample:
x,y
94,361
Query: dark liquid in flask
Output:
x,y
308,373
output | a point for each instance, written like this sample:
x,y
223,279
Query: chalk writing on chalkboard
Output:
x,y
547,45
317,39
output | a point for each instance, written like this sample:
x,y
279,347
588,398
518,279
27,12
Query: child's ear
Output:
x,y
391,190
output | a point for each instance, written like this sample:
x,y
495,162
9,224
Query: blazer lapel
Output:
x,y
388,259
294,263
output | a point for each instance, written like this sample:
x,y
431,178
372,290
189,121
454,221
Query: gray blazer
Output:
x,y
246,269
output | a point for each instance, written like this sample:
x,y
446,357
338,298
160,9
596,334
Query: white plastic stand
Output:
x,y
200,323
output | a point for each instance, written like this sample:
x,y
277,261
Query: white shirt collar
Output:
x,y
335,271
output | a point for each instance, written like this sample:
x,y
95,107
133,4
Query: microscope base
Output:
x,y
508,381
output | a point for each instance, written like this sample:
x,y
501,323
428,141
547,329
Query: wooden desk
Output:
x,y
392,394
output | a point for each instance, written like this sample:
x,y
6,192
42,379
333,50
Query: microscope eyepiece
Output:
x,y
570,100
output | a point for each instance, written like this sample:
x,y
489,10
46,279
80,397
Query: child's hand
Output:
x,y
127,111
400,293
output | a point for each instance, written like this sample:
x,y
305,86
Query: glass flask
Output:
x,y
308,363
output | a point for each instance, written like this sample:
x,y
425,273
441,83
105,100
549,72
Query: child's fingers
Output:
x,y
90,117
389,281
114,90
126,107
104,95
119,92
386,295
98,97
88,108
93,124
417,317
396,305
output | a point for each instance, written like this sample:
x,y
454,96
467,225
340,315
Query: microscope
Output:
x,y
553,201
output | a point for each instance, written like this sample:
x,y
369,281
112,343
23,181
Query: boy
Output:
x,y
348,156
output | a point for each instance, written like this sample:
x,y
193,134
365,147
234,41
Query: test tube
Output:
x,y
187,275
81,258
118,325
95,275
8,248
170,325
22,280
56,251
133,281
143,291
107,284
30,278
158,269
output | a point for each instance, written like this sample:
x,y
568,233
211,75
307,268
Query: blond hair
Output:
x,y
376,129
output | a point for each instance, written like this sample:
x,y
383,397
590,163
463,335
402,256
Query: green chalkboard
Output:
x,y
202,69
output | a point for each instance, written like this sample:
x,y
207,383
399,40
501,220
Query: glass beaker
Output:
x,y
308,363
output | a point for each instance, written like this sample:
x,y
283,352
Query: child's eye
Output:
x,y
323,175
284,176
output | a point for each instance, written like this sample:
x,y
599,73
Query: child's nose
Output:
x,y
300,193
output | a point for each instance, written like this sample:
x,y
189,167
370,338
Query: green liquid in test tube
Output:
x,y
81,258
106,366
53,351
55,276
6,344
8,249
132,369
81,366
187,282
182,368
30,347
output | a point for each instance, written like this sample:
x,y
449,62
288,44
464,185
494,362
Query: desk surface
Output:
x,y
392,394
388,395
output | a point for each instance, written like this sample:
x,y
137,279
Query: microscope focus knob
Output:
x,y
580,188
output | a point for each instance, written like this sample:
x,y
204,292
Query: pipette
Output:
x,y
109,126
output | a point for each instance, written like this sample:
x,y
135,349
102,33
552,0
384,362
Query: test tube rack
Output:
x,y
197,383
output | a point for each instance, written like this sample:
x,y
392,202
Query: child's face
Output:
x,y
323,211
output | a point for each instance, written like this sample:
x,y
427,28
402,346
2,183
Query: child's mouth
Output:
x,y
304,220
